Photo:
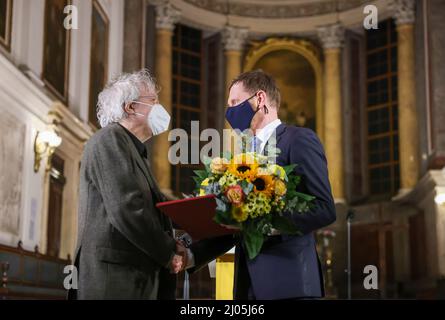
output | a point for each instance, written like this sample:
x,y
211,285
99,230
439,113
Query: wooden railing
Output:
x,y
30,275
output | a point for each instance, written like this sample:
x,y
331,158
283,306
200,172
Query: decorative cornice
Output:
x,y
276,9
404,11
234,38
331,36
166,15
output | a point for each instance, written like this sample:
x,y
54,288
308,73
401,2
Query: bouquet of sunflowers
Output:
x,y
253,195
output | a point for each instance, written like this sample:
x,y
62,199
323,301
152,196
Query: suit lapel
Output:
x,y
279,133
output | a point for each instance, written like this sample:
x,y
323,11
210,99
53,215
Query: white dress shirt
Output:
x,y
264,134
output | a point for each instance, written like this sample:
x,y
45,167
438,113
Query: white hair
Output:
x,y
119,92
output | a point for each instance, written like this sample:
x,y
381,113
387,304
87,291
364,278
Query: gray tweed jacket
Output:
x,y
124,243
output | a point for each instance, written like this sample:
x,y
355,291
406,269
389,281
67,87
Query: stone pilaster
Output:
x,y
331,37
404,15
234,39
166,18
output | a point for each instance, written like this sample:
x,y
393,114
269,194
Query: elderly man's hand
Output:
x,y
182,251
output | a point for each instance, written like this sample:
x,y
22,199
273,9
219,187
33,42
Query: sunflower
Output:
x,y
239,213
264,184
243,166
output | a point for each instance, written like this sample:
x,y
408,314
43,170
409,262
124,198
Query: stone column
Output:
x,y
166,17
331,37
404,15
234,39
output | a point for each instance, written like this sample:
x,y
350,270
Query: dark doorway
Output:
x,y
55,207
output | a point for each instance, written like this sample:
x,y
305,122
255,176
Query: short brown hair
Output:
x,y
256,80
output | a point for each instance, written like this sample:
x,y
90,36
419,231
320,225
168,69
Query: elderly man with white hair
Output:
x,y
125,247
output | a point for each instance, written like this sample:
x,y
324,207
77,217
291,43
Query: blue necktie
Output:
x,y
256,144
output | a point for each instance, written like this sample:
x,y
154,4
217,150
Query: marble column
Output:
x,y
404,15
234,39
331,37
166,17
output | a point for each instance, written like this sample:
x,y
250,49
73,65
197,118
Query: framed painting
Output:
x,y
56,46
99,58
5,23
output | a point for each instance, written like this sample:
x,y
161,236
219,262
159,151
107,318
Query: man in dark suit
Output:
x,y
125,247
288,266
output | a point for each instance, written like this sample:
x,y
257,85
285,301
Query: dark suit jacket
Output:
x,y
124,243
287,266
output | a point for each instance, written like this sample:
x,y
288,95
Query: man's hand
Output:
x,y
182,251
177,264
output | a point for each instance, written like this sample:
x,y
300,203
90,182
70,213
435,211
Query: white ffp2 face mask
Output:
x,y
158,119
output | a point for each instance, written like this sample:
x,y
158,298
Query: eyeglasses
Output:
x,y
152,98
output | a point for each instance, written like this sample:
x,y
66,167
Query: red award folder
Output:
x,y
195,216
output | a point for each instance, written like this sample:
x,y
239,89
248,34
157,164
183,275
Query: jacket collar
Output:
x,y
142,164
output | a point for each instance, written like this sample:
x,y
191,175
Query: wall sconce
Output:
x,y
440,199
45,144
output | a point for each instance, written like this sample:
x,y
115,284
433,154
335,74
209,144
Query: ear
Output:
x,y
262,96
128,108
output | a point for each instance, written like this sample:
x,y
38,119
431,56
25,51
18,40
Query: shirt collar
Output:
x,y
265,133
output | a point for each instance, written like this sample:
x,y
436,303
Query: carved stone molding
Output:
x,y
404,11
234,38
331,36
166,15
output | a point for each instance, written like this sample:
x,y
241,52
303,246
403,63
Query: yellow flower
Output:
x,y
261,171
277,170
280,187
263,184
227,180
243,166
205,182
219,165
257,205
239,214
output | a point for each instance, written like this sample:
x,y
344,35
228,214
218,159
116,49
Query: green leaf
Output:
x,y
284,225
289,169
253,239
221,205
225,217
206,160
305,196
202,174
246,186
198,181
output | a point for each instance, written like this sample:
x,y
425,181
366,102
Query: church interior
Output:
x,y
374,96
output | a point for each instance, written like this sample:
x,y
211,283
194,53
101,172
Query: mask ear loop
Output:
x,y
266,109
